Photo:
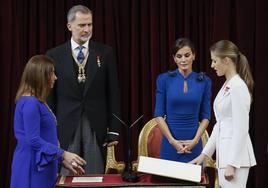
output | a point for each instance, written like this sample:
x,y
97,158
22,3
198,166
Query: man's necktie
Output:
x,y
80,55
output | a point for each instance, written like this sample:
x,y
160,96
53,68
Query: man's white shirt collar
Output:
x,y
75,45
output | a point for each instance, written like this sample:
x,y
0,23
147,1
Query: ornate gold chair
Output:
x,y
111,163
209,164
150,139
149,145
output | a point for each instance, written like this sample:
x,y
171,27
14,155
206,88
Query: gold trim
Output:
x,y
111,162
209,162
143,140
143,137
62,180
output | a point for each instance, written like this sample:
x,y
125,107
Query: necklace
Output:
x,y
49,109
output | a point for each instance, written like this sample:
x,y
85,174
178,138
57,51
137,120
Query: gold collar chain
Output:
x,y
81,78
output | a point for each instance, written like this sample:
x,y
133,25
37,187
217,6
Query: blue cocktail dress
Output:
x,y
183,111
35,159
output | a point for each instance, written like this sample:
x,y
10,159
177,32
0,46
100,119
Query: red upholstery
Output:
x,y
154,142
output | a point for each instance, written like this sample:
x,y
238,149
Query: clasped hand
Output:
x,y
73,162
183,146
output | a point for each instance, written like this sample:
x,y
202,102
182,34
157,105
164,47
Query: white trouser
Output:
x,y
239,181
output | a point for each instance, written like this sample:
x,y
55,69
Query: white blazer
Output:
x,y
230,135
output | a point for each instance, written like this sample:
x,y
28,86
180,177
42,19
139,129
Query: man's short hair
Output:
x,y
78,8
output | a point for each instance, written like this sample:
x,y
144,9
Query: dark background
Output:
x,y
141,33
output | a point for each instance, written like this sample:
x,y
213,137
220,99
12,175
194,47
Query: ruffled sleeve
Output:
x,y
46,155
160,102
45,152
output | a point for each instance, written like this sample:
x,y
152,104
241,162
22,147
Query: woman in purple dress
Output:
x,y
36,157
183,97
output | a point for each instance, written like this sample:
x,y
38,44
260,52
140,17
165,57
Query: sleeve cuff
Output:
x,y
43,158
114,133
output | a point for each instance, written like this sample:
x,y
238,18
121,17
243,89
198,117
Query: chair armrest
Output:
x,y
111,163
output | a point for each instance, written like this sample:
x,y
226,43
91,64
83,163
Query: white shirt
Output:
x,y
75,47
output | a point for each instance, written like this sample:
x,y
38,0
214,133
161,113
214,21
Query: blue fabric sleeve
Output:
x,y
205,110
160,102
45,151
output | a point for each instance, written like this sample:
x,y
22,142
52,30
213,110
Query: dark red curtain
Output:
x,y
141,33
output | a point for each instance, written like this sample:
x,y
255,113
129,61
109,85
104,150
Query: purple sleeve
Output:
x,y
160,102
45,151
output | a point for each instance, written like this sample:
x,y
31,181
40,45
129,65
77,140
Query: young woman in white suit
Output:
x,y
230,137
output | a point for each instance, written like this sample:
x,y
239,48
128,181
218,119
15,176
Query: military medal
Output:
x,y
98,61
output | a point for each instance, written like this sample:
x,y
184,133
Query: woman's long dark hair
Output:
x,y
36,78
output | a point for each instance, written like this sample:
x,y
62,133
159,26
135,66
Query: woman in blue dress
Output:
x,y
36,157
182,106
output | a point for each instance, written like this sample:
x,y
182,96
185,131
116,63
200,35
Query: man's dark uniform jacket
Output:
x,y
98,98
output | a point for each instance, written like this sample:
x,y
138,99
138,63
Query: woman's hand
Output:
x,y
74,168
73,162
198,160
177,144
229,173
188,145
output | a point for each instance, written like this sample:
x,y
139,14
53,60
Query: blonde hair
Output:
x,y
226,48
36,78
